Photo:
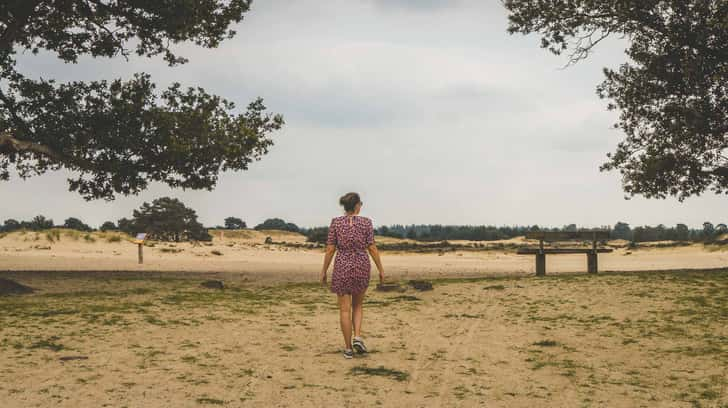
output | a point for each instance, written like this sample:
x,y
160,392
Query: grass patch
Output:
x,y
48,344
546,343
216,252
210,401
380,372
73,234
53,235
495,287
113,238
406,298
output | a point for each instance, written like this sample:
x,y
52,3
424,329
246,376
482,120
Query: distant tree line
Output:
x,y
169,219
621,230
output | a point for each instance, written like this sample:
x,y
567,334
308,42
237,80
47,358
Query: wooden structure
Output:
x,y
584,235
140,242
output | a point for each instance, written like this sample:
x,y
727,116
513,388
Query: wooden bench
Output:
x,y
583,235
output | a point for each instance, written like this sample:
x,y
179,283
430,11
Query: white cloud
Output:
x,y
429,109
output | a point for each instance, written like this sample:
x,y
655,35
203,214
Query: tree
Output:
x,y
682,232
318,235
277,224
672,94
11,225
708,230
108,226
38,223
168,219
76,224
126,225
622,231
117,136
233,223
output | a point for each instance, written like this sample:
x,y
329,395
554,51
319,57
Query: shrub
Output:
x,y
114,238
108,226
53,235
318,235
76,224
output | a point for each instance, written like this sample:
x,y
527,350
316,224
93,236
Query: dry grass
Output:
x,y
651,339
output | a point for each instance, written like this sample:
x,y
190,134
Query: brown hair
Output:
x,y
349,201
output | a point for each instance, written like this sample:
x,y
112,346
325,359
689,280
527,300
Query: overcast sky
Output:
x,y
427,108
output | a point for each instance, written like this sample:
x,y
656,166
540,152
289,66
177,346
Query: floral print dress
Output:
x,y
352,235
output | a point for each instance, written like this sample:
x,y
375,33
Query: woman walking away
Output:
x,y
352,236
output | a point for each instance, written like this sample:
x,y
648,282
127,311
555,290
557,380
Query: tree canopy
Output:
x,y
166,219
108,226
116,136
672,94
277,224
76,224
233,223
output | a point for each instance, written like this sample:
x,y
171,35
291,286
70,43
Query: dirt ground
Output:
x,y
146,340
243,255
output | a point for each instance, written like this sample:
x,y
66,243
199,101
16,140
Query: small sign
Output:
x,y
141,237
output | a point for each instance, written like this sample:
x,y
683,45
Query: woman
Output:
x,y
352,236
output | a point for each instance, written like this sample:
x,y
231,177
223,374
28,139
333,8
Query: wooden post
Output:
x,y
591,262
141,255
591,258
540,264
540,260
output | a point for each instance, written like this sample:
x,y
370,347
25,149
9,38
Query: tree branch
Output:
x,y
9,144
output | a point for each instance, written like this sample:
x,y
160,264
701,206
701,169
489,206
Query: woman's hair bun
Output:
x,y
349,201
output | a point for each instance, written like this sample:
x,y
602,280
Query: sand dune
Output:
x,y
244,255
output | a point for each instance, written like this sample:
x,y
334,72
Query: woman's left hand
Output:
x,y
323,279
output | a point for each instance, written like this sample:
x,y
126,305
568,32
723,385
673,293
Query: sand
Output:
x,y
611,340
242,255
101,330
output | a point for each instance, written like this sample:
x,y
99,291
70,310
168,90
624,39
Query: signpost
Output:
x,y
140,242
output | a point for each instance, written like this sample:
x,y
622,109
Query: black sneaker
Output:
x,y
348,354
359,346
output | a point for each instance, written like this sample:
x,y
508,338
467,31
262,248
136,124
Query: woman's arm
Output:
x,y
330,251
374,252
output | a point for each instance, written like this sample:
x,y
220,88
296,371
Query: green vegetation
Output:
x,y
166,219
546,343
183,137
651,338
381,372
234,223
277,224
670,92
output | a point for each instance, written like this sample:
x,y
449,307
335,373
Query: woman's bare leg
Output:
x,y
345,318
357,303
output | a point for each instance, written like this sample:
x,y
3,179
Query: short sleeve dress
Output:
x,y
352,235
